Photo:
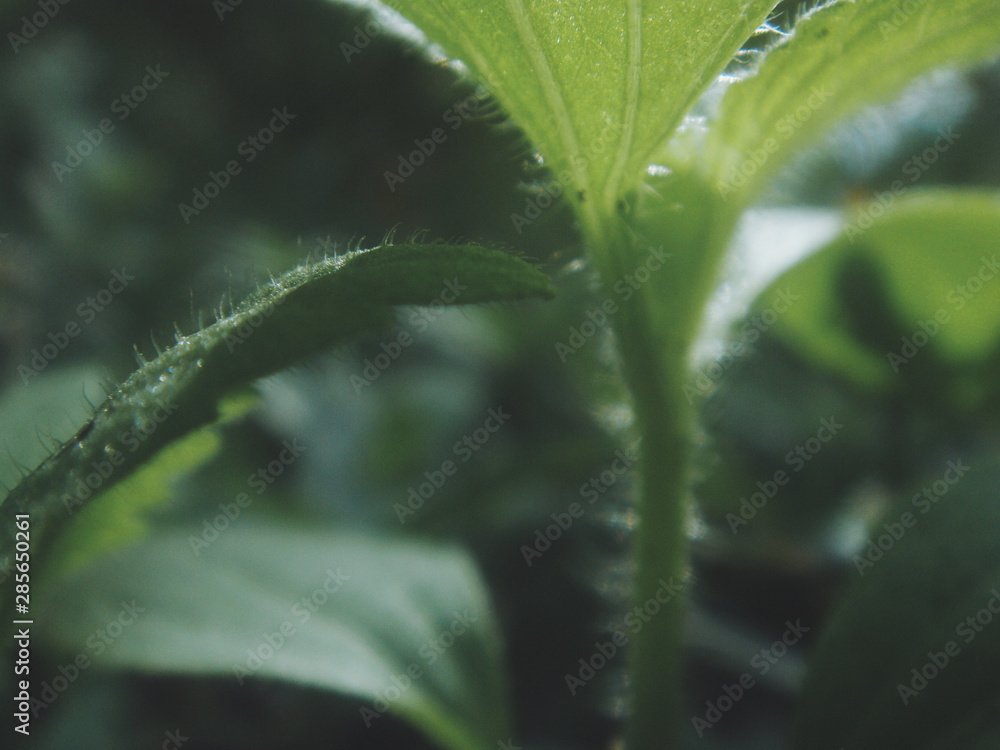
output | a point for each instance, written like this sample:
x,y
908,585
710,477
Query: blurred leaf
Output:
x,y
867,306
839,58
301,313
930,592
761,417
597,87
51,404
936,253
361,615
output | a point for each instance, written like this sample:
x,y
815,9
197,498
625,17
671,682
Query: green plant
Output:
x,y
646,67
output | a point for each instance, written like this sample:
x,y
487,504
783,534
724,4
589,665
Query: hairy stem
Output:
x,y
689,226
664,420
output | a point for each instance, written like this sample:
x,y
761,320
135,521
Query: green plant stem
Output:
x,y
656,329
665,421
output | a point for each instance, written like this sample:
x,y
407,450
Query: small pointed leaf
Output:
x,y
301,313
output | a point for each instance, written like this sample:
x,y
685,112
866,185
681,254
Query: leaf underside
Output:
x,y
838,59
596,87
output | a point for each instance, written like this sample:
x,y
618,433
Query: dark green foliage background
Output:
x,y
322,181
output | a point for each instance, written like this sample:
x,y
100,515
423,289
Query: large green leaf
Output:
x,y
932,256
597,87
925,597
301,313
839,58
267,603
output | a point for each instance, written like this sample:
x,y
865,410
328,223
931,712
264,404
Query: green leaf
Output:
x,y
121,514
270,603
597,87
935,253
839,58
301,313
933,570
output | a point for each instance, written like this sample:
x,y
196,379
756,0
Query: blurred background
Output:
x,y
74,212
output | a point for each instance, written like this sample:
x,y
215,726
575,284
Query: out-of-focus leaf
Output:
x,y
839,58
381,620
910,655
936,254
51,405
